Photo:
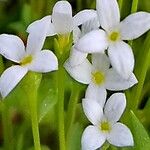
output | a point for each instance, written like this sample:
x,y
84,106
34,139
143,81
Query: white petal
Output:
x,y
92,110
115,107
135,25
100,61
122,58
62,17
92,138
97,93
90,25
35,42
44,61
94,41
84,16
120,136
109,14
76,34
81,73
11,47
115,82
42,24
76,57
10,78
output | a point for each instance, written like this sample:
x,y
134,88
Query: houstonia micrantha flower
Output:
x,y
29,59
99,76
61,22
105,123
130,28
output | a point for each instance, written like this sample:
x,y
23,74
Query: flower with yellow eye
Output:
x,y
105,123
111,38
29,59
99,76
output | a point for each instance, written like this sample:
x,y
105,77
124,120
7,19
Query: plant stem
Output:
x,y
145,65
61,128
120,2
34,120
134,6
72,107
7,130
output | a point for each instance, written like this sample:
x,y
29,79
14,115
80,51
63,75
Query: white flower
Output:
x,y
29,59
99,76
105,125
77,34
130,28
61,22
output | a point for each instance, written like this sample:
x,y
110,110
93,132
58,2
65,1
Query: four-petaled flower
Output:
x,y
105,123
99,76
61,21
120,53
31,59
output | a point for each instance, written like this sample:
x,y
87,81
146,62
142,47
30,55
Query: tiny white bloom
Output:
x,y
105,123
61,21
99,76
29,59
120,53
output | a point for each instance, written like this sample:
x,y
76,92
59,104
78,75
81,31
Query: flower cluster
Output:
x,y
109,66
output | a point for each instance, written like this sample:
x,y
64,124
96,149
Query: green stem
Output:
x,y
145,65
120,2
61,128
34,120
72,108
134,6
7,130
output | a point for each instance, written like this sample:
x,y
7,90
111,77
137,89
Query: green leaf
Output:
x,y
47,95
140,135
74,142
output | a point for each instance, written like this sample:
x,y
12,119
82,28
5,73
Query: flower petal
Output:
x,y
84,16
135,25
76,34
76,57
92,138
97,93
120,136
115,82
109,14
42,24
44,61
35,42
100,61
62,17
94,41
11,47
81,73
90,25
10,78
115,107
92,110
122,59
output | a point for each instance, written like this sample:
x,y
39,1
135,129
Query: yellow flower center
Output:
x,y
98,77
105,126
114,36
26,60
